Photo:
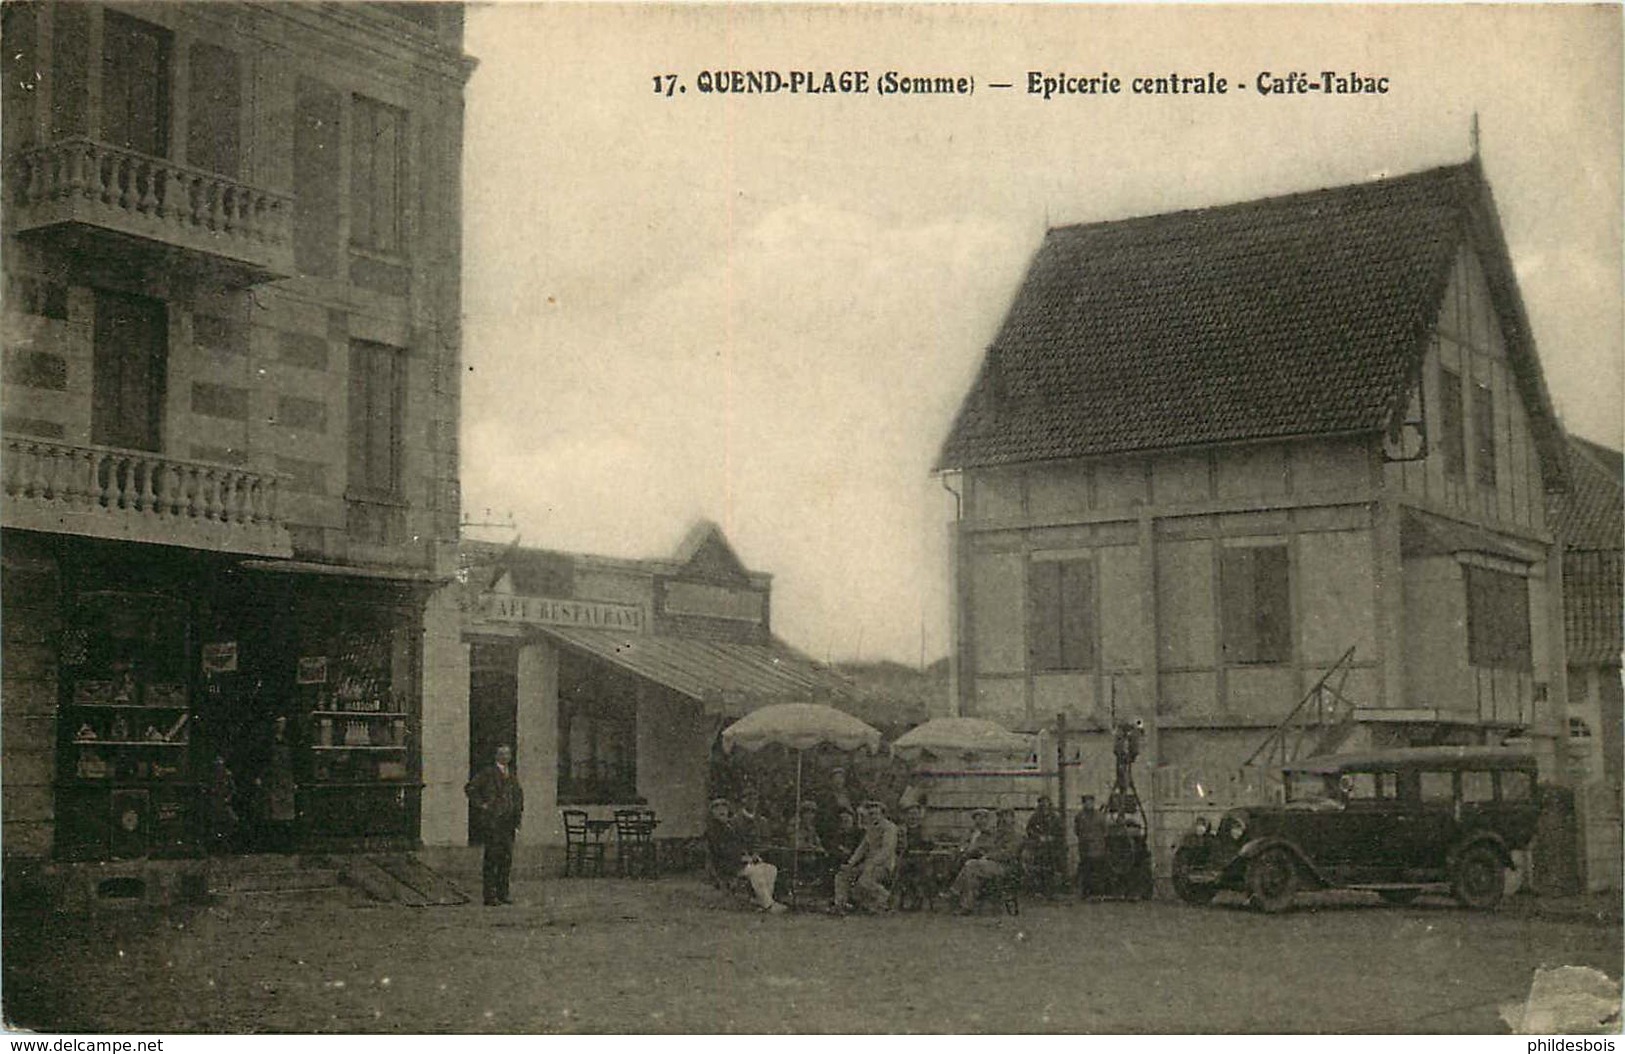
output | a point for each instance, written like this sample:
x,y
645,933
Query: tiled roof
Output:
x,y
1591,514
1593,597
1288,316
1590,519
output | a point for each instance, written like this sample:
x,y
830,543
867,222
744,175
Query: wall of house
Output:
x,y
445,721
1593,764
1314,498
1469,341
259,378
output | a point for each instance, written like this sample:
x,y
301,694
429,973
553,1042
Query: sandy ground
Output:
x,y
676,956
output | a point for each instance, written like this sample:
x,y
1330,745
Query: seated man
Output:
x,y
866,876
989,854
914,873
733,854
805,834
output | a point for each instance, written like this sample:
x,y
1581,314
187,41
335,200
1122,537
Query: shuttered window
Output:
x,y
1452,441
1497,620
1061,630
1255,602
377,395
377,175
135,85
1484,433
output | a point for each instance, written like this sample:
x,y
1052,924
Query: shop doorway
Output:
x,y
493,709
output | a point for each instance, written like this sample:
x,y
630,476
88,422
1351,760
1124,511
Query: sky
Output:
x,y
764,309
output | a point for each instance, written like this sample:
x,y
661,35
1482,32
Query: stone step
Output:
x,y
285,880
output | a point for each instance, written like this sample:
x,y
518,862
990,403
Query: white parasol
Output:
x,y
946,736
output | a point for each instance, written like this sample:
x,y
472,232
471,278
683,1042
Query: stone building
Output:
x,y
232,292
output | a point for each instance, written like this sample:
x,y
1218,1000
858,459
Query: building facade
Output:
x,y
232,292
1218,460
610,678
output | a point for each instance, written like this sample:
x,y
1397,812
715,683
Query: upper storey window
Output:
x,y
377,176
135,85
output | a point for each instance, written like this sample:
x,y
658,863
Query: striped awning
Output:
x,y
724,676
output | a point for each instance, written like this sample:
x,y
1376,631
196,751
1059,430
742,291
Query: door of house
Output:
x,y
127,394
493,709
135,85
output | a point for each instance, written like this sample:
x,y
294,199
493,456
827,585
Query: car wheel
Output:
x,y
1480,878
1272,880
1188,891
1399,896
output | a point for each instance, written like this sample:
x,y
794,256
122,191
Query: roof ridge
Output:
x,y
1337,191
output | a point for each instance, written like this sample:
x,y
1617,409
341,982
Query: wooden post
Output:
x,y
1060,787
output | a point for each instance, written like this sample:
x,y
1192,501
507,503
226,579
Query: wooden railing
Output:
x,y
177,198
68,482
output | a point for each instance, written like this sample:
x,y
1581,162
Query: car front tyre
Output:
x,y
1480,878
1190,892
1272,880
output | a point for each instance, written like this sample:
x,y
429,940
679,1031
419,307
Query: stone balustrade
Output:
x,y
140,495
84,181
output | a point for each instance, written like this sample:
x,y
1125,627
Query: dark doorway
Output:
x,y
135,85
493,709
127,394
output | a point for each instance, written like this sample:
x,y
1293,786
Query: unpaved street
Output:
x,y
675,955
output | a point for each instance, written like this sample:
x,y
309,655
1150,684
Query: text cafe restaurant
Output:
x,y
611,679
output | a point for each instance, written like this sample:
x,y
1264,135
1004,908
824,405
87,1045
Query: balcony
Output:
x,y
89,196
139,496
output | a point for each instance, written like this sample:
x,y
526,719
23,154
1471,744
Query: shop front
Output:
x,y
208,704
610,678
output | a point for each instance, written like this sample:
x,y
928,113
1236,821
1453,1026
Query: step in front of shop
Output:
x,y
269,875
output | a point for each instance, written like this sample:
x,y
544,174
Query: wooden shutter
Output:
x,y
1272,600
377,174
375,410
317,191
1237,628
135,85
1076,629
1044,615
214,103
1452,449
1484,433
1497,620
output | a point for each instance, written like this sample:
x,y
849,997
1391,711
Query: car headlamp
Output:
x,y
1203,828
1238,827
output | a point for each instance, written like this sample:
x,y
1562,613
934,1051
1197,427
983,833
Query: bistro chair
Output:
x,y
581,845
635,844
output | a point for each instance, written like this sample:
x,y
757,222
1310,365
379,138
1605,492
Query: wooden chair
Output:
x,y
634,843
580,847
1005,890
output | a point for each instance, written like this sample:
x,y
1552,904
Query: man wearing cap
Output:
x,y
867,874
1090,828
990,855
733,853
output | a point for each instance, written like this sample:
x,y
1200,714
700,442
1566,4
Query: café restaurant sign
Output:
x,y
552,611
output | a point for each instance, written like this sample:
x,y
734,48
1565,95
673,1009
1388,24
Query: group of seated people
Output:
x,y
865,857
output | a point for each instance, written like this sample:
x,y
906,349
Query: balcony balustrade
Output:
x,y
238,233
140,496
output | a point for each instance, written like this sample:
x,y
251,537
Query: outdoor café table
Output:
x,y
597,829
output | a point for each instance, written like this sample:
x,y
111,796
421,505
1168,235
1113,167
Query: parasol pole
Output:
x,y
795,835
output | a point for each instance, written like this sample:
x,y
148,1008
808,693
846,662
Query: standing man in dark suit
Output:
x,y
499,803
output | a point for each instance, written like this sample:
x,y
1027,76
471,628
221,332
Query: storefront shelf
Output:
x,y
352,784
130,706
337,747
128,743
358,713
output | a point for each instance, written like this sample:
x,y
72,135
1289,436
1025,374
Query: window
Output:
x,y
1255,605
135,85
1452,442
1369,786
377,395
1438,788
1477,786
597,733
377,175
1484,433
1061,635
213,110
1515,786
1497,619
318,190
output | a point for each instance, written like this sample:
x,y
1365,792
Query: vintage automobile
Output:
x,y
1398,822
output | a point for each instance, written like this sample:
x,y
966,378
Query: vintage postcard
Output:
x,y
811,518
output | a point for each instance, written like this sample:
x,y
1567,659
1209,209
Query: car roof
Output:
x,y
1417,757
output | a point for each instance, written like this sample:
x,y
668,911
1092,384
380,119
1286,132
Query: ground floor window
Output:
x,y
1497,619
597,733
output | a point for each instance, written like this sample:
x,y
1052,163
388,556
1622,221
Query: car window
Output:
x,y
1307,787
1368,786
1477,786
1438,788
1516,786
